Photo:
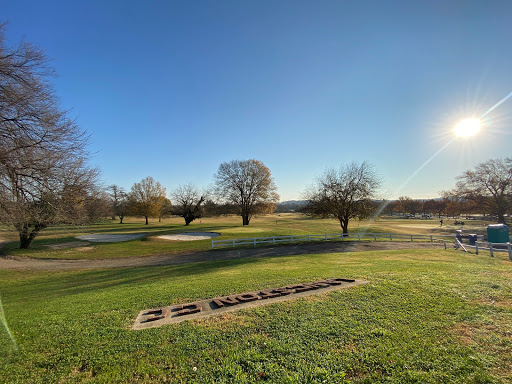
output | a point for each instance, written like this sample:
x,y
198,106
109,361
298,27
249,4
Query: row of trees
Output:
x,y
148,199
244,187
448,205
45,177
487,189
44,173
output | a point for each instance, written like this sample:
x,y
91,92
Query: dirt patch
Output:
x,y
70,244
495,339
495,301
464,333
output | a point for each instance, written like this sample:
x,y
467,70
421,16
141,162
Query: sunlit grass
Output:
x,y
428,316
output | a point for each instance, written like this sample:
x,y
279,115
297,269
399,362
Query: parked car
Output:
x,y
426,216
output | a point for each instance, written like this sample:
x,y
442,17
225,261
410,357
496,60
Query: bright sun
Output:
x,y
468,127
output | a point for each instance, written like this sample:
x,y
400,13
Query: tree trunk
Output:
x,y
27,235
245,219
25,240
121,219
501,218
147,222
188,220
344,225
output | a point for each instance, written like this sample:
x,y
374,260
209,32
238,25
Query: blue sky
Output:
x,y
171,89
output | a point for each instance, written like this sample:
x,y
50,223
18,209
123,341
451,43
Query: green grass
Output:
x,y
229,227
428,316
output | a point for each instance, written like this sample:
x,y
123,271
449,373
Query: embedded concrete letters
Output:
x,y
176,313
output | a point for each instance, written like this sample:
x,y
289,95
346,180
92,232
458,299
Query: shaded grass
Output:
x,y
426,317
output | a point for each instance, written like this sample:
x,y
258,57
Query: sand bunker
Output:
x,y
190,236
110,238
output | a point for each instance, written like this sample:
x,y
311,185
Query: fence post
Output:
x,y
374,237
254,242
490,250
273,240
292,238
359,236
476,247
509,251
233,243
309,239
390,237
431,239
412,238
342,236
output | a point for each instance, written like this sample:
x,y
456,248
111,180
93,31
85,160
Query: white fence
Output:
x,y
326,237
491,247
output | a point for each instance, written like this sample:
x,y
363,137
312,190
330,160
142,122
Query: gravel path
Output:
x,y
22,263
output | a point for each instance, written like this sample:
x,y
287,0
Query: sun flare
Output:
x,y
468,127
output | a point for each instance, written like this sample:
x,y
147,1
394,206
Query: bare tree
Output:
x,y
344,193
247,184
187,202
43,159
489,185
118,201
147,198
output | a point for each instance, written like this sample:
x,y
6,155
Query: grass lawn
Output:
x,y
229,227
428,316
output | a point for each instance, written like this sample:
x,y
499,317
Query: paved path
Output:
x,y
23,263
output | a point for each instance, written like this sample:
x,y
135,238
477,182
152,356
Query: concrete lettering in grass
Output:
x,y
157,317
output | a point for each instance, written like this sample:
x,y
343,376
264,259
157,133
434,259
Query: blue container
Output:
x,y
472,239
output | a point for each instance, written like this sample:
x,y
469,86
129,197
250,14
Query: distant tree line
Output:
x,y
485,190
242,187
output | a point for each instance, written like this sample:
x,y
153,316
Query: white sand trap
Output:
x,y
110,238
190,236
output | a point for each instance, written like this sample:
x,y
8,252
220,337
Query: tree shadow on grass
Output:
x,y
76,283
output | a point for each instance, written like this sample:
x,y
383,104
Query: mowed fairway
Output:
x,y
52,243
428,316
